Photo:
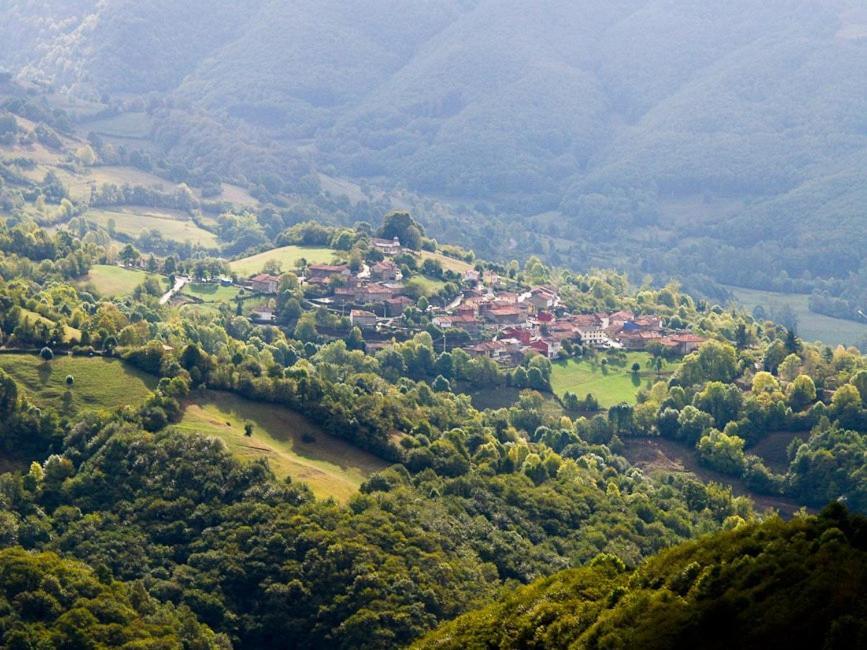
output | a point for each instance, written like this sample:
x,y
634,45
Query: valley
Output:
x,y
390,325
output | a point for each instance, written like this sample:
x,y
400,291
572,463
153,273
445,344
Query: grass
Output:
x,y
773,446
287,256
429,286
211,293
69,333
100,383
237,195
330,466
610,386
811,326
448,263
79,184
112,281
660,456
506,396
173,225
124,125
200,309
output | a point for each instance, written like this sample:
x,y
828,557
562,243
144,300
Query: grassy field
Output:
x,y
211,293
332,467
125,125
237,195
79,184
287,256
610,386
112,281
99,383
657,456
506,396
772,448
429,286
448,263
70,333
811,326
173,225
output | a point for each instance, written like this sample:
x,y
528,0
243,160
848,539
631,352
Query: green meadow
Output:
x,y
171,224
211,293
99,383
287,256
112,281
811,326
293,445
609,384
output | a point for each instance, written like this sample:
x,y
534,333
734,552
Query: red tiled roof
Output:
x,y
687,338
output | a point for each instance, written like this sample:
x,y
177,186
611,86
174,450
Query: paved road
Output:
x,y
180,281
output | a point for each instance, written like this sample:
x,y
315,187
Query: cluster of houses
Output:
x,y
502,325
535,321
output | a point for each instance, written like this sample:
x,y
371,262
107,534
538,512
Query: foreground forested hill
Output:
x,y
723,140
798,585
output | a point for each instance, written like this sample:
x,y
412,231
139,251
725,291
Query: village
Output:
x,y
489,317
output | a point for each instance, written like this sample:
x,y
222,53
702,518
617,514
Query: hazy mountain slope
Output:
x,y
741,124
303,62
124,45
30,28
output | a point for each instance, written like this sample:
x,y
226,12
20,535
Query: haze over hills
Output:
x,y
725,141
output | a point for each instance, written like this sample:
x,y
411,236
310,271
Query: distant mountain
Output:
x,y
723,136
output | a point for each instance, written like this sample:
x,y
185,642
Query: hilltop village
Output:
x,y
484,313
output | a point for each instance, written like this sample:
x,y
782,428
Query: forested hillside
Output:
x,y
722,141
324,324
800,584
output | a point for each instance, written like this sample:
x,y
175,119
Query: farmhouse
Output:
x,y
264,316
518,333
542,298
322,272
466,322
363,319
546,347
504,315
595,337
637,339
396,306
264,283
386,270
684,343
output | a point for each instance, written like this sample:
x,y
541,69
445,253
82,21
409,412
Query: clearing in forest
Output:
x,y
293,445
111,281
610,384
98,383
